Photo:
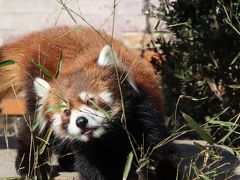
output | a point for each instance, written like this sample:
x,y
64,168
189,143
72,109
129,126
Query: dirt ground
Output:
x,y
186,148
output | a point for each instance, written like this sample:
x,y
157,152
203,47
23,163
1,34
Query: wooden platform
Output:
x,y
12,107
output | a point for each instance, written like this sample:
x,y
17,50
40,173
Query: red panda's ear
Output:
x,y
42,87
107,56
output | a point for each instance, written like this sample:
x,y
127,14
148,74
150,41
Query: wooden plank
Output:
x,y
12,107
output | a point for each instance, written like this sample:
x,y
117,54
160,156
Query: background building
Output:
x,y
18,17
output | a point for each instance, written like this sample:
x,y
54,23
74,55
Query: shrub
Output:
x,y
202,60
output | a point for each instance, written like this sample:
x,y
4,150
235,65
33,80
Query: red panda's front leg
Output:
x,y
87,170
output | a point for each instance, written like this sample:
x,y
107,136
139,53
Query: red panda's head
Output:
x,y
83,103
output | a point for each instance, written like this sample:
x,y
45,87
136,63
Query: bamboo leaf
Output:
x,y
105,113
163,32
6,63
55,108
128,166
234,86
44,69
35,126
144,163
218,115
227,135
204,177
45,141
203,134
157,25
235,59
68,11
223,123
59,65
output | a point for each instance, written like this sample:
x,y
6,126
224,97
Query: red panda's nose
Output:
x,y
81,122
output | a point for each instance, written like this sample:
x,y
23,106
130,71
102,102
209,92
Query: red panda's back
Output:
x,y
80,47
44,47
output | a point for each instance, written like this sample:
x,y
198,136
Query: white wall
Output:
x,y
18,17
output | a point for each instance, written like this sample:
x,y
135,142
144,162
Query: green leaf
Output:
x,y
40,67
59,65
235,59
45,141
157,25
163,32
105,113
231,131
234,86
203,134
203,177
128,166
144,163
223,123
43,69
78,28
35,126
219,114
6,63
55,108
68,11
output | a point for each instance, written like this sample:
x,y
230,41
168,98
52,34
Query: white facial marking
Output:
x,y
57,122
42,89
98,132
72,127
107,56
85,96
96,121
106,96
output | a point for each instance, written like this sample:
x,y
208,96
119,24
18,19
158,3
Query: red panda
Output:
x,y
93,93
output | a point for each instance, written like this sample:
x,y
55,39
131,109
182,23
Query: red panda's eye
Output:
x,y
67,112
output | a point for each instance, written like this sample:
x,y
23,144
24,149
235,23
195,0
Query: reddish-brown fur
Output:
x,y
82,72
80,48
